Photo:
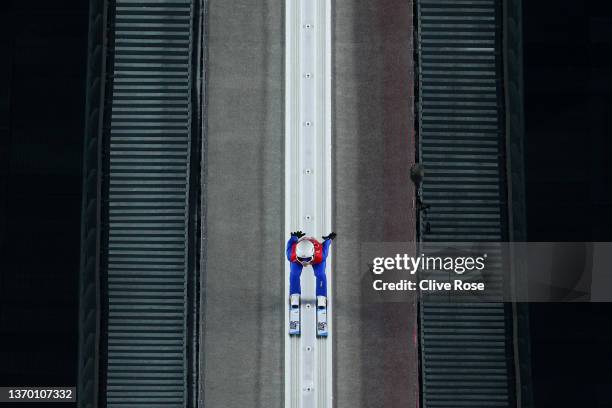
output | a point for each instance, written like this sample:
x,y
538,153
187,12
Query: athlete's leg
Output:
x,y
294,278
319,272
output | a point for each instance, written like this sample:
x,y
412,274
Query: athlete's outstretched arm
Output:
x,y
290,243
295,236
327,239
326,245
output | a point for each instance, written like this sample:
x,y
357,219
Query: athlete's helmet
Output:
x,y
304,251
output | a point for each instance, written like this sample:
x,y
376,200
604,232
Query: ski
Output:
x,y
294,315
321,316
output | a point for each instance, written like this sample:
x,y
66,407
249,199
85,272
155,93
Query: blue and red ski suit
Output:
x,y
318,266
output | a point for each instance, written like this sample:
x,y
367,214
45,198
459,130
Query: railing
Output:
x,y
89,279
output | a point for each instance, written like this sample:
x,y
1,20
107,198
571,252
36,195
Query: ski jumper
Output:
x,y
318,266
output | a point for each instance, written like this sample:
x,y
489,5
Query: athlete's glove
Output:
x,y
331,235
298,234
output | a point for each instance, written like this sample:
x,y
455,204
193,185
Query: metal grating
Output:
x,y
148,179
465,347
